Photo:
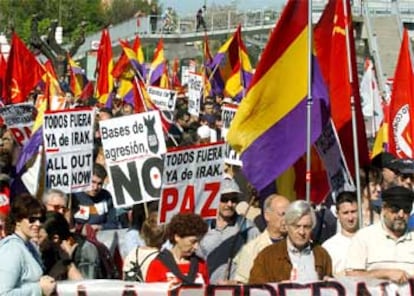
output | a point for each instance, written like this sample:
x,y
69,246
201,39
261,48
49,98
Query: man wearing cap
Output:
x,y
404,170
385,250
226,235
383,161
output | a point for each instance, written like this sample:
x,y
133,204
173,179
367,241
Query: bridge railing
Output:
x,y
228,21
224,20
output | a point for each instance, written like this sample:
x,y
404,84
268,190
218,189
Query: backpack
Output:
x,y
135,273
107,267
168,260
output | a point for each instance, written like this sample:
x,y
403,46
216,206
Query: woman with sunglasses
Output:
x,y
21,268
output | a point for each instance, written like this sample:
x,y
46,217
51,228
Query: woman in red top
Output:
x,y
180,265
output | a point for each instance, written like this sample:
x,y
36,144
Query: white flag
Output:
x,y
370,100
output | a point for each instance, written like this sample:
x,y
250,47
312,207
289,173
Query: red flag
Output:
x,y
120,66
87,91
331,48
23,72
104,65
139,100
3,69
176,83
401,128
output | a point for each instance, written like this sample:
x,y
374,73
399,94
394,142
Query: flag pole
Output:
x,y
353,116
309,106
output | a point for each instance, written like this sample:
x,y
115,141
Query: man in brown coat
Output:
x,y
294,258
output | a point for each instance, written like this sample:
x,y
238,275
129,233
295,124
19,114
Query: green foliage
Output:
x,y
69,13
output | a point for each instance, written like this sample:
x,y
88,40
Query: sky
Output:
x,y
185,7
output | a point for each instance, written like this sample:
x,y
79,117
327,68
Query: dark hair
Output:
x,y
370,174
152,233
181,114
99,170
138,214
106,110
346,196
186,224
56,224
23,206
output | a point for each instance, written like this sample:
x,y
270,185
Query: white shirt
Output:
x,y
337,247
373,248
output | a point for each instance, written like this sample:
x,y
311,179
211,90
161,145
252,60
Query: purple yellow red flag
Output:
x,y
157,67
269,128
231,67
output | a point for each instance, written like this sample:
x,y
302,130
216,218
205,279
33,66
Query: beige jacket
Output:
x,y
245,258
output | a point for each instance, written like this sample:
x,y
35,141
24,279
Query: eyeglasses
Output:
x,y
396,209
407,176
33,219
226,199
58,208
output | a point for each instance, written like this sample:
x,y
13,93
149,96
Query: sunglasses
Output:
x,y
226,199
396,209
58,208
33,219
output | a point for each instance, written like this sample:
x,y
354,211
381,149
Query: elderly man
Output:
x,y
55,200
384,250
337,246
294,258
274,209
226,234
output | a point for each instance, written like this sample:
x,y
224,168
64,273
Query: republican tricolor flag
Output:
x,y
269,128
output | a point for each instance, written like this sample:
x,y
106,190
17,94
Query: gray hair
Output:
x,y
51,192
297,210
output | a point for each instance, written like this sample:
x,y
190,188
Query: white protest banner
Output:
x,y
330,151
344,286
18,114
57,102
133,146
19,120
163,98
68,140
228,111
191,181
195,92
185,72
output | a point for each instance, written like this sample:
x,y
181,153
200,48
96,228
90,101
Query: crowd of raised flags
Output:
x,y
270,127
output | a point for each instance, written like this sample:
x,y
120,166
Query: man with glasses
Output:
x,y
404,171
226,235
384,250
55,200
295,258
274,209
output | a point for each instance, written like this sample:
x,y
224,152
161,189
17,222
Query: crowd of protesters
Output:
x,y
45,240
